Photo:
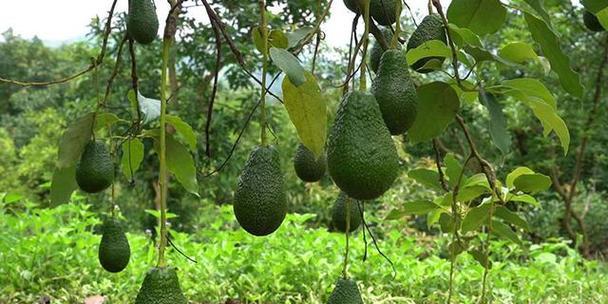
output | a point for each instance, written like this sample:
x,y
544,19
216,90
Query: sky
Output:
x,y
58,21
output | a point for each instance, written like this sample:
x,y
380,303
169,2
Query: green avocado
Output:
x,y
142,21
384,11
161,286
338,213
345,292
95,171
114,250
592,23
352,5
395,92
431,28
309,168
260,201
361,156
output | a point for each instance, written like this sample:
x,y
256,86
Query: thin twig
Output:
x,y
218,58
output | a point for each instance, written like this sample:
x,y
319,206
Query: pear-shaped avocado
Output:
x,y
395,92
361,157
384,11
345,292
161,286
592,23
338,213
309,168
142,21
95,171
260,201
431,28
114,250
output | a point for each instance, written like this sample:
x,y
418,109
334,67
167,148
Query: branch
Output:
x,y
218,58
95,62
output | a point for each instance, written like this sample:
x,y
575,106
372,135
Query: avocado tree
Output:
x,y
419,88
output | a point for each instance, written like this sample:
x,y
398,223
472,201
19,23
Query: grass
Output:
x,y
54,252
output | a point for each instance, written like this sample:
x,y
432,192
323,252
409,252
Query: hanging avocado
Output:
x,y
161,286
592,23
384,11
338,213
114,251
95,171
308,167
142,21
431,28
345,292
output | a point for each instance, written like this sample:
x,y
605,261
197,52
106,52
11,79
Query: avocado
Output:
x,y
338,213
592,23
142,21
309,168
95,171
361,156
353,6
161,286
431,28
384,11
377,50
114,250
395,92
260,201
345,292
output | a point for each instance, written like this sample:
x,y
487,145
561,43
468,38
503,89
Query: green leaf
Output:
x,y
470,193
595,6
180,163
532,183
504,231
480,16
63,184
476,217
105,120
132,156
481,258
511,217
453,169
438,104
498,122
552,122
432,48
532,88
258,41
602,16
307,110
416,207
278,39
518,52
183,129
73,141
289,64
426,177
464,36
560,63
519,171
523,198
298,35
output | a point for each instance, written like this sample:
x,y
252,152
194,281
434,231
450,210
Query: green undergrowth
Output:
x,y
54,252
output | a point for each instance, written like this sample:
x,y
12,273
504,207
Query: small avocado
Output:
x,y
309,168
431,28
592,23
260,200
114,250
384,11
352,5
395,92
361,156
142,21
345,292
95,171
161,286
338,213
376,51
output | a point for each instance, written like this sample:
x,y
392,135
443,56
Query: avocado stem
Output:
x,y
366,18
347,206
264,33
395,40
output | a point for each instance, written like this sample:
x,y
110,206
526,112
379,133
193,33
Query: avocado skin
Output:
x,y
345,292
431,28
395,92
592,23
361,157
352,5
95,171
384,11
114,251
142,21
161,286
338,213
308,167
376,51
260,201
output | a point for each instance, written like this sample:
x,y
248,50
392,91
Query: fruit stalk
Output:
x,y
347,233
367,19
264,33
163,154
395,40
